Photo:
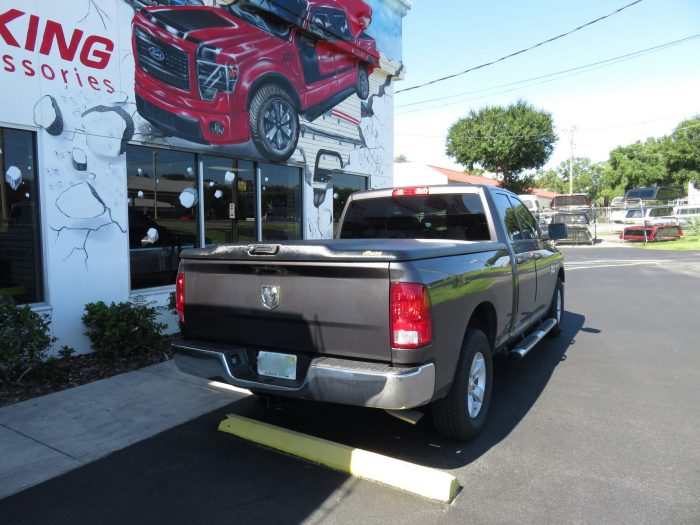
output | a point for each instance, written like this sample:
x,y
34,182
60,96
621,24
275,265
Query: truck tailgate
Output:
x,y
331,308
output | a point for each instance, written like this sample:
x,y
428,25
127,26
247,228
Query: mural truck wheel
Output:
x,y
274,123
362,88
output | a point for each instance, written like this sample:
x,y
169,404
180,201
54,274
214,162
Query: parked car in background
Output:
x,y
651,233
617,202
655,194
531,202
650,215
579,227
686,213
572,202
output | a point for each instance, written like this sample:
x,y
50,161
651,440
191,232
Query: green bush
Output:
x,y
694,225
24,340
122,329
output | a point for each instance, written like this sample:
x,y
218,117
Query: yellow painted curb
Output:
x,y
424,481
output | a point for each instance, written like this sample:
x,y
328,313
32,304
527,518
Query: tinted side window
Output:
x,y
507,216
528,225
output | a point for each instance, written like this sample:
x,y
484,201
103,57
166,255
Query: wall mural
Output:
x,y
294,81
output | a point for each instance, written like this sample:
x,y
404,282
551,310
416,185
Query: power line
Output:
x,y
520,52
608,61
578,130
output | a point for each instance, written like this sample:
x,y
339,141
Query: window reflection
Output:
x,y
343,185
163,197
281,202
163,193
20,248
229,200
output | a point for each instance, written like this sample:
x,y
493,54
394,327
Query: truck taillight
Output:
x,y
411,325
180,297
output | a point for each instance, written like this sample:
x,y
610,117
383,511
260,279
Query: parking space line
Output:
x,y
611,264
416,479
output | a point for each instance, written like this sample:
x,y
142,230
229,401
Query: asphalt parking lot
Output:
x,y
597,426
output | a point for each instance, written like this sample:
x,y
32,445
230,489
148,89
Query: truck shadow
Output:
x,y
517,386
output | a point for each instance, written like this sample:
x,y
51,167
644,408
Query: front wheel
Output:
x,y
274,123
461,414
556,309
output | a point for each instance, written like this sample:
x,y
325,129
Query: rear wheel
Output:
x,y
362,87
461,414
556,309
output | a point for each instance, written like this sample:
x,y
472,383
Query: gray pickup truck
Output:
x,y
404,308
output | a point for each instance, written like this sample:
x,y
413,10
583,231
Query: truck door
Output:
x,y
544,257
524,245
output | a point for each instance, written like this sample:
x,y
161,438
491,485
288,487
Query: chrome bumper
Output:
x,y
328,379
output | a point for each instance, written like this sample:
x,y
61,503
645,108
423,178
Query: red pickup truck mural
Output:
x,y
239,72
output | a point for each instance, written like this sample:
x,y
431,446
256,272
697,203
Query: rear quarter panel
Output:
x,y
457,285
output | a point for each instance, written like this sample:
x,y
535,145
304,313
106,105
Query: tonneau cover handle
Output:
x,y
263,249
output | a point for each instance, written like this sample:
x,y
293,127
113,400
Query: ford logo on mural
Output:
x,y
270,296
156,53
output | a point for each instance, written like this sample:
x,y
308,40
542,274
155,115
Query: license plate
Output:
x,y
272,364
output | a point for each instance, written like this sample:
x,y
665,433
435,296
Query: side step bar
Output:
x,y
531,340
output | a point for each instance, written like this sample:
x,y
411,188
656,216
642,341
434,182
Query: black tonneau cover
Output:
x,y
344,250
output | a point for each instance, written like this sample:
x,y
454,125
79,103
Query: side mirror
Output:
x,y
556,231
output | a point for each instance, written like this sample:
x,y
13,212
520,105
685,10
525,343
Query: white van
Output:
x,y
531,202
650,215
685,213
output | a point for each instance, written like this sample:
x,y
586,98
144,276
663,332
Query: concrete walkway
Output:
x,y
44,437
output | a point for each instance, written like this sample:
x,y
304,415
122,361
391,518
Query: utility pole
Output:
x,y
571,159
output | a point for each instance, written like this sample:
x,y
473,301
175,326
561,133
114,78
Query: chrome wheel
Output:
x,y
477,385
279,124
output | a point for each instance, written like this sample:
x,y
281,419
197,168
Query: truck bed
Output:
x,y
333,294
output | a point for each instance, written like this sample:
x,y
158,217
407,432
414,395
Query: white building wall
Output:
x,y
84,219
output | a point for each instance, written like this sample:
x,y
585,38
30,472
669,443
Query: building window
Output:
x,y
229,200
343,185
163,202
168,188
280,202
20,249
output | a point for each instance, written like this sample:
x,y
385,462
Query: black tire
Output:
x,y
274,123
556,310
455,415
362,87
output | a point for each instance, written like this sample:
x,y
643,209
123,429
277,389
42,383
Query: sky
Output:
x,y
609,105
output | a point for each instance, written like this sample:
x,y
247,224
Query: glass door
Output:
x,y
229,200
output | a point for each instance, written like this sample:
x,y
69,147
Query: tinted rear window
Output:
x,y
641,193
570,200
445,216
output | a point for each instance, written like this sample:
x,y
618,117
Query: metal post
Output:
x,y
258,204
200,205
571,159
154,158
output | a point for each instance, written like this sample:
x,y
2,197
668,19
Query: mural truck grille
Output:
x,y
162,61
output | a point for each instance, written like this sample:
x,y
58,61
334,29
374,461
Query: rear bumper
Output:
x,y
327,379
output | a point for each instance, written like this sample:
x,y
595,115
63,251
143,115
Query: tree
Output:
x,y
683,152
588,178
401,158
639,164
506,141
